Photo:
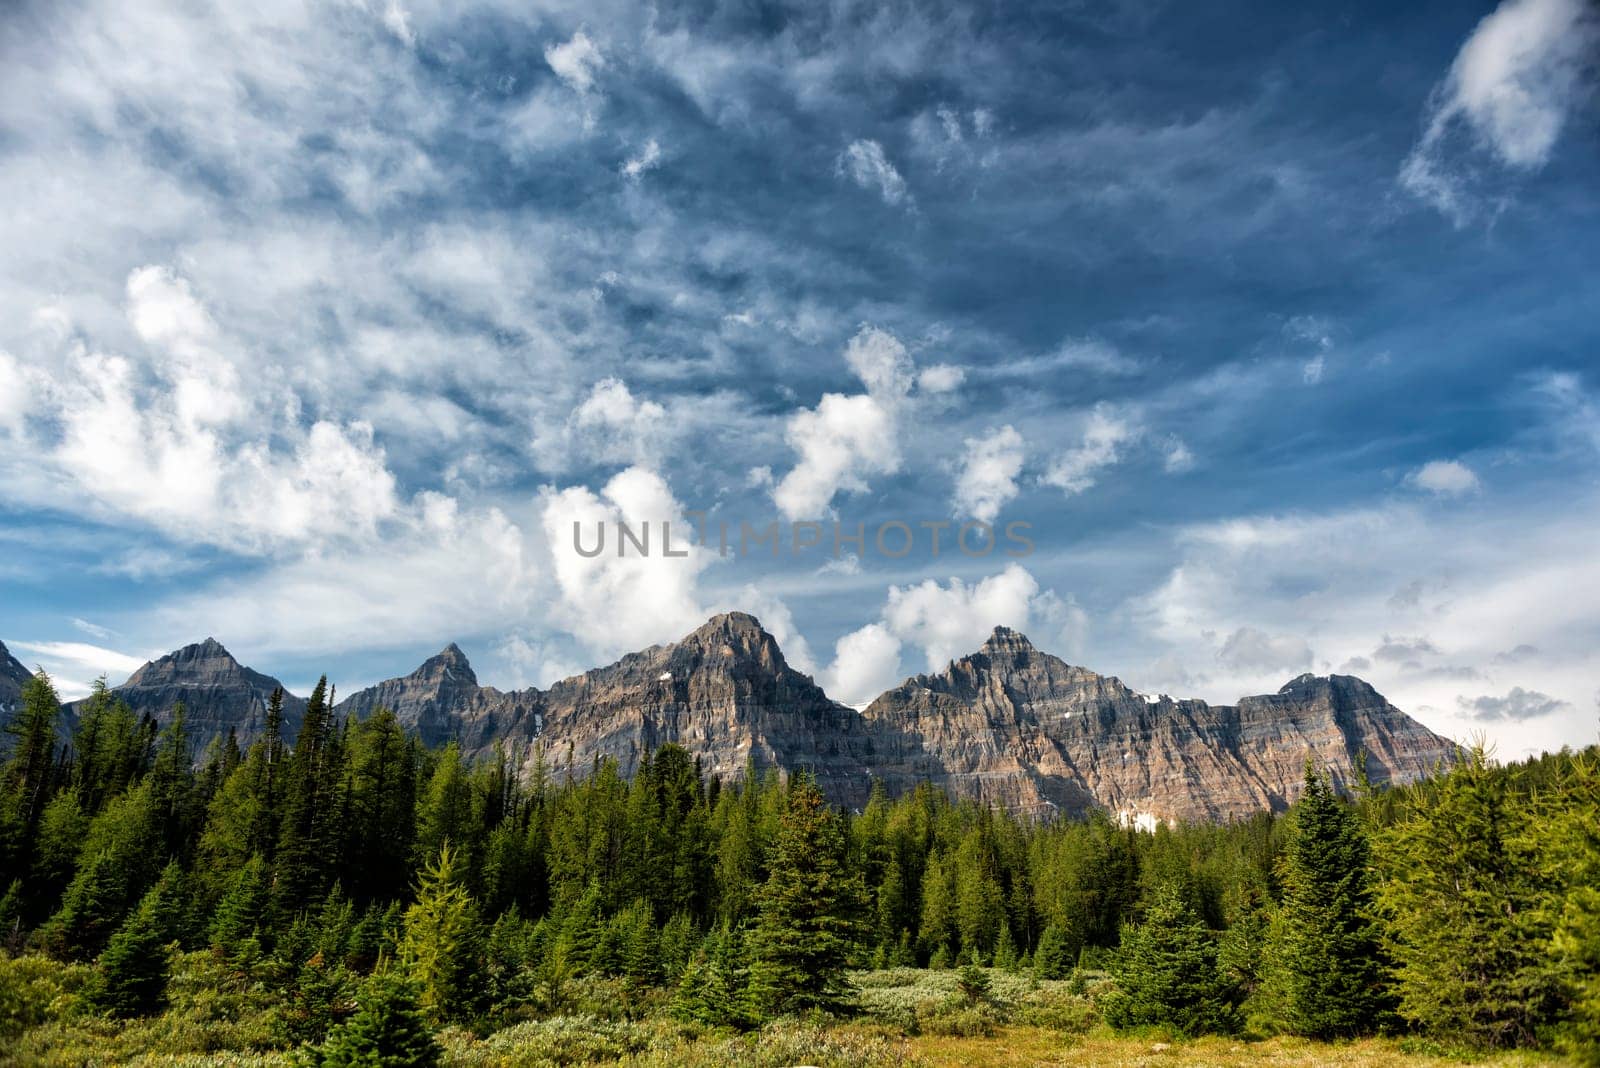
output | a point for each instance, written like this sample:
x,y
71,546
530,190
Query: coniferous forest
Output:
x,y
348,896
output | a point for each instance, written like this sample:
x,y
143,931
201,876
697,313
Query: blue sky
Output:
x,y
321,323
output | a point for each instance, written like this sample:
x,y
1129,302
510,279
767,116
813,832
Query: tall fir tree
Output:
x,y
1326,966
134,968
1166,972
811,908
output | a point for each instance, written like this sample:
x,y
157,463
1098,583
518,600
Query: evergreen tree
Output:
x,y
1469,916
387,1030
810,906
306,854
1166,972
242,913
1326,964
133,969
27,778
1053,958
443,941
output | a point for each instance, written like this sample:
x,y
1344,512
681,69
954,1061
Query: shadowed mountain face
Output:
x,y
1008,724
218,694
14,675
442,695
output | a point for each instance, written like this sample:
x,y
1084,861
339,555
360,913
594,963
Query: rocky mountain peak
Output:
x,y
201,662
218,693
449,665
1005,640
730,638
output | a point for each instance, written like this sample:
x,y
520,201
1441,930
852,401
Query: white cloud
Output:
x,y
949,621
180,444
866,662
93,630
648,159
617,603
1510,88
612,426
987,479
1313,370
848,438
1104,435
940,378
1445,478
865,164
15,394
944,621
1176,457
881,362
440,570
399,23
576,61
73,666
1268,589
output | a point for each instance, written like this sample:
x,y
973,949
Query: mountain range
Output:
x,y
1007,724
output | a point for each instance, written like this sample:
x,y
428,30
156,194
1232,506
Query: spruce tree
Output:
x,y
26,780
1053,957
1166,972
387,1030
242,913
1326,965
810,908
134,967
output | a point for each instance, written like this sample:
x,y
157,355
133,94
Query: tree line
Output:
x,y
384,888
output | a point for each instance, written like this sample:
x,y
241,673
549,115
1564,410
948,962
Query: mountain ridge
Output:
x,y
1007,724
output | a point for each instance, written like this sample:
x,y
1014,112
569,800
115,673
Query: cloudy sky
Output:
x,y
321,323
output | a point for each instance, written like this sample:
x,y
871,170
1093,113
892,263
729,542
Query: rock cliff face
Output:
x,y
218,694
14,675
1008,724
1023,729
438,698
726,694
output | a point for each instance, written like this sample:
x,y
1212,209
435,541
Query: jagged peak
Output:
x,y
740,629
451,658
1006,639
208,649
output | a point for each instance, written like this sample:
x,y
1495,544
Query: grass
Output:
x,y
908,1019
1037,1046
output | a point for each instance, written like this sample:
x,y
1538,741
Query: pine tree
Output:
x,y
307,832
1005,950
1053,958
715,987
1469,916
443,941
242,913
387,1030
810,906
1326,964
26,780
1166,972
1569,842
133,969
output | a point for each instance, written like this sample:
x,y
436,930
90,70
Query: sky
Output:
x,y
322,324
